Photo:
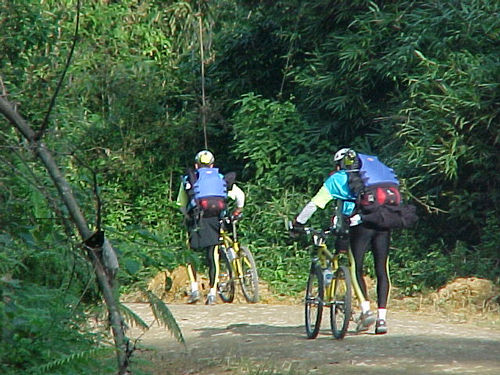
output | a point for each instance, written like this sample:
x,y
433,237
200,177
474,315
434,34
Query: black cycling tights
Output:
x,y
211,265
362,239
208,261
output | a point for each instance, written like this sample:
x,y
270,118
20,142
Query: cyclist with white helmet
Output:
x,y
202,199
356,234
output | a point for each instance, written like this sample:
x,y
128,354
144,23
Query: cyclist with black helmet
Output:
x,y
359,235
202,199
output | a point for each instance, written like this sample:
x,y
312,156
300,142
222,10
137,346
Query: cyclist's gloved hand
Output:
x,y
355,220
296,228
236,215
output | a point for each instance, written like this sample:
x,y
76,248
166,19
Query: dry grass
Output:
x,y
173,286
462,300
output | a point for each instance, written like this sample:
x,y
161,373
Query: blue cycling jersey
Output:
x,y
338,187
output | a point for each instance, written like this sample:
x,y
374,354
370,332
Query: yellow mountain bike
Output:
x,y
236,262
328,285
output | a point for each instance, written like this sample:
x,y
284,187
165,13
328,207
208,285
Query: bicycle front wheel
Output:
x,y
249,279
225,285
340,311
314,301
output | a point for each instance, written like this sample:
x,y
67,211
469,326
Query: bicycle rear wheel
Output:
x,y
249,278
225,286
314,301
340,311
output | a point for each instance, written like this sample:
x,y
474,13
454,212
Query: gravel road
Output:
x,y
270,339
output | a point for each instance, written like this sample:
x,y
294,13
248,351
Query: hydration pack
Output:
x,y
374,182
208,191
378,197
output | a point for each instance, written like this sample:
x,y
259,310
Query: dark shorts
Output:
x,y
342,242
204,233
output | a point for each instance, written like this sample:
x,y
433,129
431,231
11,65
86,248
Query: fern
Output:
x,y
164,317
71,359
132,318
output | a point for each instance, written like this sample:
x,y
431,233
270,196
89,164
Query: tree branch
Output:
x,y
105,276
45,122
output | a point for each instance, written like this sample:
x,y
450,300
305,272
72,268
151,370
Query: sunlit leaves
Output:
x,y
276,143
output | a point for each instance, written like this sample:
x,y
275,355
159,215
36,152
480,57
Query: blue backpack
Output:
x,y
209,191
378,197
373,172
373,182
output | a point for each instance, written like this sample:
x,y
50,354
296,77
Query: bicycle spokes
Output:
x,y
225,285
249,279
340,312
314,302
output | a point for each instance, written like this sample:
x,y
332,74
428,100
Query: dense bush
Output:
x,y
46,331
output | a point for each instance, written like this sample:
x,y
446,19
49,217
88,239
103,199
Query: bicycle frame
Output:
x,y
326,259
324,256
240,261
230,241
334,292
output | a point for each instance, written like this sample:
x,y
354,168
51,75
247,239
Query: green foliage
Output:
x,y
38,326
70,362
143,253
278,146
163,315
449,111
37,245
430,71
132,318
416,268
249,53
488,246
287,83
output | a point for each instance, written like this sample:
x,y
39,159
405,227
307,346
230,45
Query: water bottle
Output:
x,y
231,254
327,276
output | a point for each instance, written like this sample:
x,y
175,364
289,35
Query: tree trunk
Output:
x,y
105,277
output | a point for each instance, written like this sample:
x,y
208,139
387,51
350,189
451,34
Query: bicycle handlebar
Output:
x,y
229,219
323,233
228,222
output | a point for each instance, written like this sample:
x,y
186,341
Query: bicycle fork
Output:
x,y
330,287
237,262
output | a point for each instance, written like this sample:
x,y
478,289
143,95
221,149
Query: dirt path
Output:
x,y
227,338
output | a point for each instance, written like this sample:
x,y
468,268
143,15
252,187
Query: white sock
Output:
x,y
365,306
211,292
382,313
194,287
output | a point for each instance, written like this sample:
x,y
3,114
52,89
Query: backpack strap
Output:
x,y
230,178
355,182
192,176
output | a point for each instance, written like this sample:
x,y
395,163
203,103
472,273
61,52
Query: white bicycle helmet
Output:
x,y
204,157
345,158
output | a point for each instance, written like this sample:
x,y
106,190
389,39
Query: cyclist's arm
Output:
x,y
335,187
238,195
320,200
182,198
